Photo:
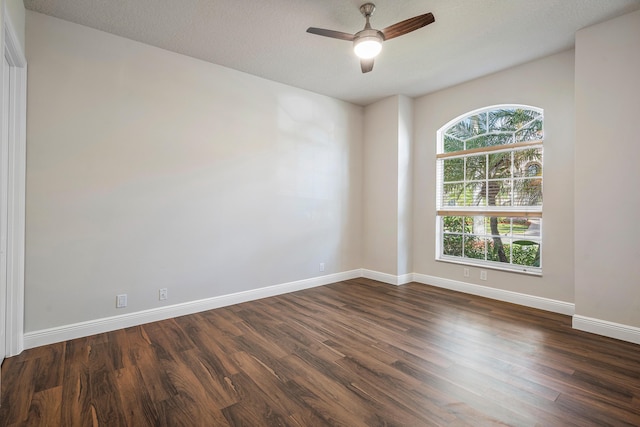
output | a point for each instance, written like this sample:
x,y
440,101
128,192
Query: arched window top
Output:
x,y
492,126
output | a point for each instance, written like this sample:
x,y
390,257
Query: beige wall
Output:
x,y
387,187
16,12
607,197
546,83
148,169
380,187
405,185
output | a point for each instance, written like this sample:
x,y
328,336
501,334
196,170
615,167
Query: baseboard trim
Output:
x,y
541,303
387,278
380,277
405,278
92,327
608,329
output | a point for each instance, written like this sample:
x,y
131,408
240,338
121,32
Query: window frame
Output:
x,y
487,210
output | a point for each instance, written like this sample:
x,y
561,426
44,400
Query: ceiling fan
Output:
x,y
367,43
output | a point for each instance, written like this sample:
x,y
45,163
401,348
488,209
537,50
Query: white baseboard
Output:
x,y
607,329
380,277
387,278
92,327
541,303
405,278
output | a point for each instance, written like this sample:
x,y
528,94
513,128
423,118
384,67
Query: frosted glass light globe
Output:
x,y
367,47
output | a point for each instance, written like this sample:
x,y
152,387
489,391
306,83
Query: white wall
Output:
x,y
148,169
546,83
607,198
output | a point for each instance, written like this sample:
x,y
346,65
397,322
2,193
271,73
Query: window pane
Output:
x,y
528,169
532,132
500,120
500,224
452,224
504,196
452,245
513,119
526,252
499,193
524,228
527,192
469,127
474,194
476,168
478,123
452,144
474,247
475,225
527,163
453,170
453,195
468,224
533,169
498,250
515,226
500,165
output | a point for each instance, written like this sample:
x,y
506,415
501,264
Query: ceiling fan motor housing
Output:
x,y
370,34
367,9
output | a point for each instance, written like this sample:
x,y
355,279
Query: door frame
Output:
x,y
16,184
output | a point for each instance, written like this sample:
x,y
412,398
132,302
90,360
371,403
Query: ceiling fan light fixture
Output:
x,y
367,47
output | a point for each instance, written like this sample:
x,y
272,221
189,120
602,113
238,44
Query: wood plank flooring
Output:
x,y
355,353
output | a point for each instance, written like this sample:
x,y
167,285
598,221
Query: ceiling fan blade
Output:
x,y
366,65
408,25
330,33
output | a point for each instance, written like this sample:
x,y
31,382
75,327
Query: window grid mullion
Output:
x,y
486,182
512,167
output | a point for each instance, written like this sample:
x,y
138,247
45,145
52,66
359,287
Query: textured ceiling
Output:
x,y
470,38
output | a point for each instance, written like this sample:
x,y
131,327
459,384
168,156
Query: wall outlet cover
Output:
x,y
121,301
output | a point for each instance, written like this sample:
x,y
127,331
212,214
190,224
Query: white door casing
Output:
x,y
4,152
13,108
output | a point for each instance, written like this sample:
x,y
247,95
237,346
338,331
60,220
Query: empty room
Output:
x,y
320,213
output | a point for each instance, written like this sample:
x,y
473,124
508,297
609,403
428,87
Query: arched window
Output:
x,y
489,188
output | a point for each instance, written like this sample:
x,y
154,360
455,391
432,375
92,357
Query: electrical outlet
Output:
x,y
483,275
466,272
321,268
121,301
162,294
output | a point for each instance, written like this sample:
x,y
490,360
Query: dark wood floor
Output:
x,y
356,353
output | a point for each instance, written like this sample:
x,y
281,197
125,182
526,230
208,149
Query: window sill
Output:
x,y
529,271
